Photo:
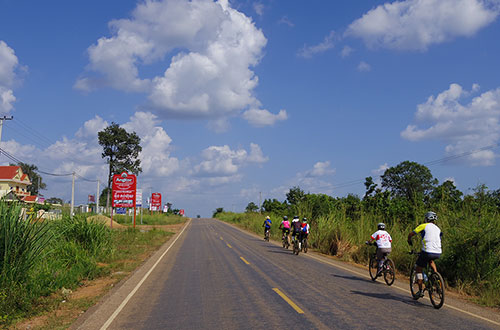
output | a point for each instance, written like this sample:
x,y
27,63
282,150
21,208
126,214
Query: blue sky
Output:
x,y
233,99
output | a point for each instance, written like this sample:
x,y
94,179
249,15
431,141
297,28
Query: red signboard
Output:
x,y
181,212
155,201
124,190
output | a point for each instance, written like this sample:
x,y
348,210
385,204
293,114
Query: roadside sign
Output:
x,y
138,198
121,210
181,212
91,199
124,190
155,201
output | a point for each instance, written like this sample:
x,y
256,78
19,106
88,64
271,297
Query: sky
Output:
x,y
239,101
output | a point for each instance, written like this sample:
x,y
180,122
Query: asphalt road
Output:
x,y
215,276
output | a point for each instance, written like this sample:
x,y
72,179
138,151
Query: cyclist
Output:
x,y
431,246
267,225
296,226
383,242
285,227
304,229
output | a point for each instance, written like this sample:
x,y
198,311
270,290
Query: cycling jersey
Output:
x,y
382,238
296,225
285,224
431,237
267,223
305,228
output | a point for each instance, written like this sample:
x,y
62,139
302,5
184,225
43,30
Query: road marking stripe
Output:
x,y
221,238
407,291
125,301
244,260
289,301
229,245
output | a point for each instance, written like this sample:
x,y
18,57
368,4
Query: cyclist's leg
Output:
x,y
431,257
421,263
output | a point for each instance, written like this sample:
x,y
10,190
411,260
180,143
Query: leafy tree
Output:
x,y
217,211
103,197
295,196
275,206
54,200
370,187
251,207
408,179
121,150
447,194
37,183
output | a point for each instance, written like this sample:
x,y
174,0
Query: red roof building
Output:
x,y
12,179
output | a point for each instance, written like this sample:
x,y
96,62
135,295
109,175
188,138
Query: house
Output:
x,y
13,180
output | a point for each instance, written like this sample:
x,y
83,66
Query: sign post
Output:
x,y
155,202
124,192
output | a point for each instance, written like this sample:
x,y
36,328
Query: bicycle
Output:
x,y
266,237
286,240
304,245
296,248
388,268
433,284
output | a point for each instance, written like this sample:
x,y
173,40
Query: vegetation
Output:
x,y
37,183
39,259
339,226
148,219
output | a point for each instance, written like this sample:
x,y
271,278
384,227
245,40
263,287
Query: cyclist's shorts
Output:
x,y
383,252
296,232
286,231
425,257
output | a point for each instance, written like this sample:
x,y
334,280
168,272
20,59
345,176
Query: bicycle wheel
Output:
x,y
413,284
296,248
389,271
305,245
267,236
373,267
283,239
436,290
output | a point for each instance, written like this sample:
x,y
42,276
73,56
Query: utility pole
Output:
x,y
97,198
260,202
72,196
2,119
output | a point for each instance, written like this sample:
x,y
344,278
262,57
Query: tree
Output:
x,y
104,196
447,194
217,211
36,180
121,150
295,196
251,207
408,179
55,200
370,187
275,206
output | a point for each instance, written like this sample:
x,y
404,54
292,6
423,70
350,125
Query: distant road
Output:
x,y
216,276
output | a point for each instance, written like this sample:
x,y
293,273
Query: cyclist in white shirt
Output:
x,y
431,246
384,244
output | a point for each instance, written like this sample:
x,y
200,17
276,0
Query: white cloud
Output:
x,y
417,24
326,44
8,65
263,117
259,8
364,67
212,49
285,20
320,169
464,127
221,164
346,51
380,170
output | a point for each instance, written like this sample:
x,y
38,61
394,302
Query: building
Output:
x,y
14,182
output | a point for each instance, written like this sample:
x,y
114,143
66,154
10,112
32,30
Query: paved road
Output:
x,y
217,277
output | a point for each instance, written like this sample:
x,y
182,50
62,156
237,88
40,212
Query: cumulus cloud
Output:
x,y
320,169
380,170
326,44
364,67
346,51
8,65
211,49
418,24
263,117
285,20
221,164
464,127
259,8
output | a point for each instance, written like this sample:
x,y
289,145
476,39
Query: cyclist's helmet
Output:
x,y
381,226
268,217
296,217
285,218
431,216
304,219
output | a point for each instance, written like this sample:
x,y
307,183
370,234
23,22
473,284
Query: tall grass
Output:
x,y
149,219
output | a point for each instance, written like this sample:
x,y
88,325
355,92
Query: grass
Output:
x,y
148,219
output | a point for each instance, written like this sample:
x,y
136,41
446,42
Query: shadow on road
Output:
x,y
388,296
352,278
281,251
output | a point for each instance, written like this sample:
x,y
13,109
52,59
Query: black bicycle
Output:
x,y
286,240
296,247
304,245
388,268
433,283
266,237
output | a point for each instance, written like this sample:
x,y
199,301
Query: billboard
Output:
x,y
124,190
138,198
181,212
155,201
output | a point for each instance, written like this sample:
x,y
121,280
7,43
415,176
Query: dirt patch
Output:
x,y
106,220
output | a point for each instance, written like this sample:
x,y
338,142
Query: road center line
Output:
x,y
244,260
125,301
289,301
221,238
229,245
